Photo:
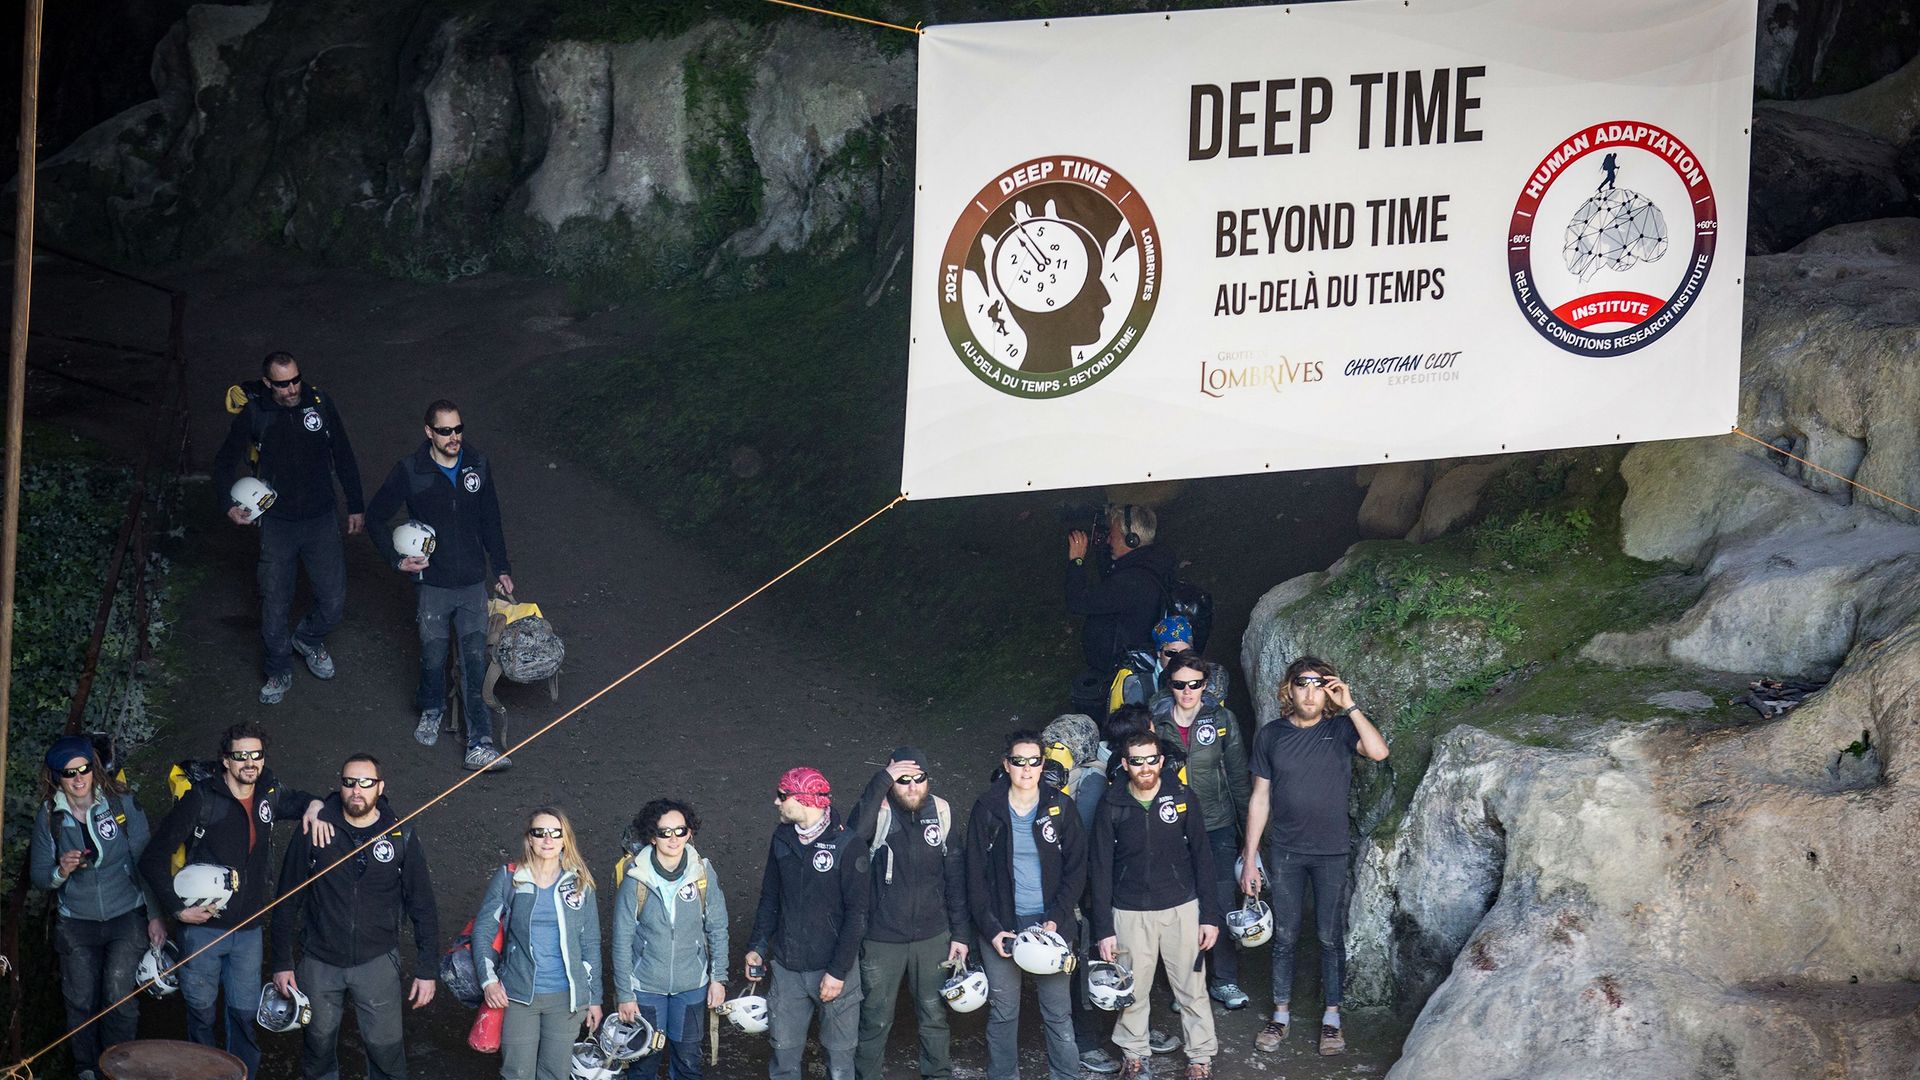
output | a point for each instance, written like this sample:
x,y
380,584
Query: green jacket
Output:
x,y
1216,759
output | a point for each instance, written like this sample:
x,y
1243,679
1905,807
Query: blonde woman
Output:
x,y
547,972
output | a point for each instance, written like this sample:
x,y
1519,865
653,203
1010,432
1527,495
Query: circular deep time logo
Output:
x,y
1049,277
1595,248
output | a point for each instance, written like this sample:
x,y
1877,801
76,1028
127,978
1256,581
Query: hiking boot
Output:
x,y
319,661
1331,1041
1270,1037
427,731
480,756
1134,1068
1099,1061
1162,1043
275,688
1229,995
1199,1070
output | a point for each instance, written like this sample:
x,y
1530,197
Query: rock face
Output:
x,y
1808,48
1811,173
1888,109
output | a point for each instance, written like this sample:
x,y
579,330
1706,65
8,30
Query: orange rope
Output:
x,y
21,1070
844,15
1774,449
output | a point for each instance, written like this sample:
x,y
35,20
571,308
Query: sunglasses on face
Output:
x,y
246,755
916,778
1143,760
1186,684
358,781
781,795
664,833
539,833
1024,762
1305,681
77,770
443,432
282,384
1171,653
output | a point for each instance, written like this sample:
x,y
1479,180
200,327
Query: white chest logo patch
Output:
x,y
1168,814
1204,735
823,860
383,851
572,898
1049,833
471,482
266,812
310,419
108,828
688,892
932,835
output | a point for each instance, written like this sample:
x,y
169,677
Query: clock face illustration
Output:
x,y
1049,277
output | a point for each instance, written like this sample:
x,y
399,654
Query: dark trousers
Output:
x,y
1290,872
1224,957
884,965
379,998
1092,1027
229,969
791,1001
98,960
463,612
682,1018
285,546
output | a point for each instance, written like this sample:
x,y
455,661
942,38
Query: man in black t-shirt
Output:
x,y
1302,769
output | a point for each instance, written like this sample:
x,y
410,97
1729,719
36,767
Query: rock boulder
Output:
x,y
1810,173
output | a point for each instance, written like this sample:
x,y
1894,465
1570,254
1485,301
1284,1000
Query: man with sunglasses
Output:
x,y
227,821
448,484
917,911
1026,867
302,446
348,917
1302,774
812,916
1153,903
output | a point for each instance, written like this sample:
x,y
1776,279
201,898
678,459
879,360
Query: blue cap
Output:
x,y
66,748
1171,629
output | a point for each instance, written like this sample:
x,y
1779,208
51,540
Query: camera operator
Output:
x,y
1120,607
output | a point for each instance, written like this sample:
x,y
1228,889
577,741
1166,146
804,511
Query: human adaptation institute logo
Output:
x,y
1050,277
1594,248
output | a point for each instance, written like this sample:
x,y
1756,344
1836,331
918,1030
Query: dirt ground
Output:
x,y
715,722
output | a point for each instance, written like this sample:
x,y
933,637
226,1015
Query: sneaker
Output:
x,y
1331,1041
1099,1061
427,731
1199,1070
1270,1037
319,661
1162,1043
1134,1068
1229,995
480,756
275,688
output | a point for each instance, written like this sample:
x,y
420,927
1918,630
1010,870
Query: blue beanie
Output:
x,y
66,748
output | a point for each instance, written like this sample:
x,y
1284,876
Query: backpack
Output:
x,y
182,777
254,391
884,824
1193,603
642,892
1139,667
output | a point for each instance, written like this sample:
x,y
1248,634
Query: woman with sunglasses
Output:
x,y
669,935
546,974
87,840
1187,715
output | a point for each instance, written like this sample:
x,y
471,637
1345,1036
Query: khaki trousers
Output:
x,y
1145,940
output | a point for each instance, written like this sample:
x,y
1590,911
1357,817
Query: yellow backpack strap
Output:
x,y
1117,691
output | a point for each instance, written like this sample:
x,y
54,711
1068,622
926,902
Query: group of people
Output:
x,y
1104,853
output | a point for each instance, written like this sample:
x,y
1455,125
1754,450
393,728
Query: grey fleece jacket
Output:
x,y
673,946
510,898
115,834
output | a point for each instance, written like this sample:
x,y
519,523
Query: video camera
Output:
x,y
1089,518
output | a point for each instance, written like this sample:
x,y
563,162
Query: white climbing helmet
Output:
x,y
414,538
966,989
622,1041
1109,986
1259,865
1252,923
252,495
206,885
1042,952
748,1012
590,1062
282,1012
156,969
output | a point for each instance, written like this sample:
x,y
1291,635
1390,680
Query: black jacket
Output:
x,y
919,875
301,450
1122,606
813,901
224,842
1150,860
465,516
353,910
1062,845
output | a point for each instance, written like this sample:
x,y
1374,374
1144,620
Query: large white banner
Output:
x,y
1210,242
